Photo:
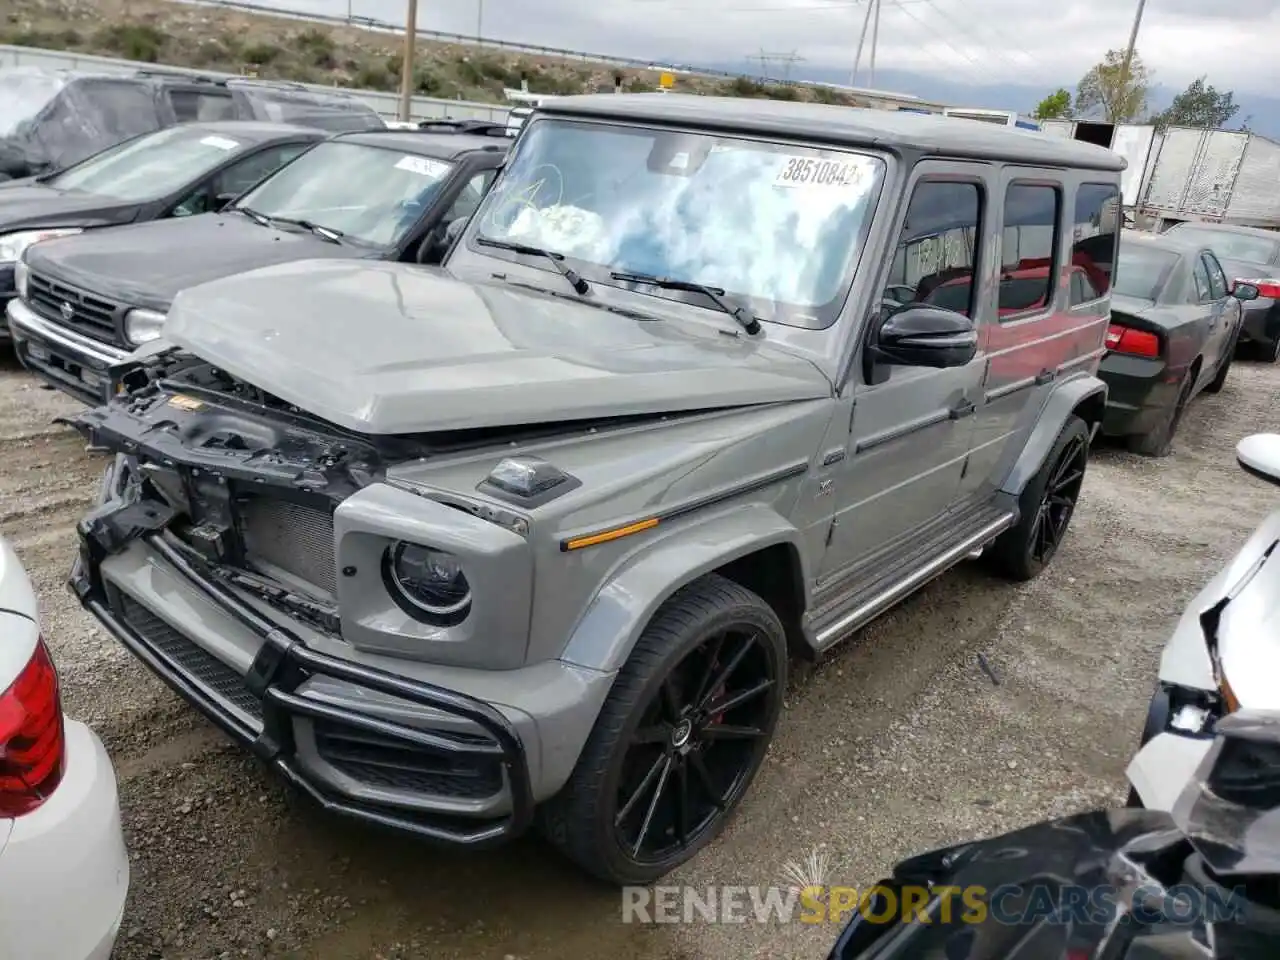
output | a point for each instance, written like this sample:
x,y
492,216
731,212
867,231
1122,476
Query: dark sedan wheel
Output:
x,y
680,738
1045,507
1158,442
1224,368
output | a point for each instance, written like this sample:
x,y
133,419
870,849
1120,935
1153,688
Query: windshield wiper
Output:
x,y
579,285
745,318
324,233
260,219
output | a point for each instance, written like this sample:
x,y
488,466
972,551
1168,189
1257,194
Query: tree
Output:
x,y
1056,106
1200,105
1106,88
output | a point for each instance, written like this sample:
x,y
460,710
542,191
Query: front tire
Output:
x,y
1045,507
679,739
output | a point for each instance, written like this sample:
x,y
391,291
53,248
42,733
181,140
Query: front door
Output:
x,y
1224,312
909,434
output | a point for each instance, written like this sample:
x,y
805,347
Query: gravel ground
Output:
x,y
896,743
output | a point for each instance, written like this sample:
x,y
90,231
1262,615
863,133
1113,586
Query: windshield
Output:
x,y
776,226
152,165
1235,246
1141,271
369,194
23,94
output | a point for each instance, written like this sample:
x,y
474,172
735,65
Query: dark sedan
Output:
x,y
384,195
1175,319
1252,255
175,172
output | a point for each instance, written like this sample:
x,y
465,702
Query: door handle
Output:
x,y
962,409
1045,376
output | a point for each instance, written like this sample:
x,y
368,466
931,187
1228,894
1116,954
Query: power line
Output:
x,y
964,29
971,63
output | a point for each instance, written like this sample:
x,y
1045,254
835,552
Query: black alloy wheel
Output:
x,y
1059,500
696,746
679,739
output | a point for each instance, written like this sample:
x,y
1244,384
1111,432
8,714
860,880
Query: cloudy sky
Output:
x,y
972,41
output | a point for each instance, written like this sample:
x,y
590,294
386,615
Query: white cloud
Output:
x,y
974,41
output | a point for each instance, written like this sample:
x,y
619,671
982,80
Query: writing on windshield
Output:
x,y
776,225
369,194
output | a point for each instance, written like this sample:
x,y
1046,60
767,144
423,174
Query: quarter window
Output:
x,y
936,255
1096,232
1030,239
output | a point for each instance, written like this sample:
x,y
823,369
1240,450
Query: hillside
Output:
x,y
232,41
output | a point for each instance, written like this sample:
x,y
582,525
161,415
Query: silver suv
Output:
x,y
704,384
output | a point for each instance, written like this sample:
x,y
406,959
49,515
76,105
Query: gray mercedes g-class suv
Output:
x,y
704,383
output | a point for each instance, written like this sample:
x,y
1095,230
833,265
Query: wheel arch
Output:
x,y
1084,397
753,546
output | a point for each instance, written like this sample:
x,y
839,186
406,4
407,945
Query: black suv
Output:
x,y
53,119
87,301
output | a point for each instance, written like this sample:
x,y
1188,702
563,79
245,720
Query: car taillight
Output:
x,y
1121,339
32,744
1266,288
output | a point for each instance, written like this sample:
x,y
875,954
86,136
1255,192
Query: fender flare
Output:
x,y
1087,392
619,612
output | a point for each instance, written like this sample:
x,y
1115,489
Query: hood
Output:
x,y
146,264
385,348
27,203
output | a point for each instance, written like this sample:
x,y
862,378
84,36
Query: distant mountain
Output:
x,y
1261,112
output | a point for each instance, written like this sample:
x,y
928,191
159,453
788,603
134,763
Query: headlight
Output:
x,y
429,584
142,325
13,244
21,274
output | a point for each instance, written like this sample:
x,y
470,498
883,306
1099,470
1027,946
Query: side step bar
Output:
x,y
886,595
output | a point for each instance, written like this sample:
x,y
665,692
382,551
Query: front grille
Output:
x,y
191,659
90,315
289,536
395,765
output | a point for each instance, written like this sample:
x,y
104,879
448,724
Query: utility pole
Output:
x,y
1128,53
406,66
862,38
479,19
875,39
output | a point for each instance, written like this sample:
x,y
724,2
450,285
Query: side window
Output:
x,y
936,255
1096,233
1217,279
1082,289
1028,274
243,174
464,205
200,105
1204,291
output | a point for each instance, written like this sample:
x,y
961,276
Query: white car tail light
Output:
x,y
32,742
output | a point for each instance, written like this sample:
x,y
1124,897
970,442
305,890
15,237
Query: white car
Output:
x,y
1224,654
64,871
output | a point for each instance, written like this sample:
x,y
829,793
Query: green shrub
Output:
x,y
133,41
260,53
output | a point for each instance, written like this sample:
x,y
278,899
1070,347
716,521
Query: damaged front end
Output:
x,y
212,557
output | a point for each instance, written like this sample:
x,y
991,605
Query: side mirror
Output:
x,y
922,336
1260,456
1244,291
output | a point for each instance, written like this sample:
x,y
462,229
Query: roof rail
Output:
x,y
179,75
482,128
285,84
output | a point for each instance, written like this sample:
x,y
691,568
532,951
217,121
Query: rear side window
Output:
x,y
191,106
1217,279
1030,239
1204,292
937,250
1097,232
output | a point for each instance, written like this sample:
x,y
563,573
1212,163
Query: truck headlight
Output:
x,y
142,325
428,584
12,245
21,278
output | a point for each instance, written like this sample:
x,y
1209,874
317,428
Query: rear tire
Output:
x,y
1159,441
1220,379
1045,507
679,739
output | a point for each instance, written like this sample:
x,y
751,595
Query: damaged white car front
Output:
x,y
1224,654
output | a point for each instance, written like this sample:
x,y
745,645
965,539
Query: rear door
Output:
x,y
1211,323
1226,313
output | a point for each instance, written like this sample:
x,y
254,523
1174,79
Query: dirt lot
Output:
x,y
897,743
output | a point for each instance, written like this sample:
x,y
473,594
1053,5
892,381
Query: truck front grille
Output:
x,y
71,307
280,535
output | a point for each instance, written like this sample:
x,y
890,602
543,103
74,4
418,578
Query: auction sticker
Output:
x,y
422,166
222,143
816,172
